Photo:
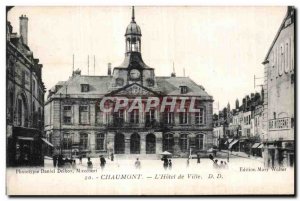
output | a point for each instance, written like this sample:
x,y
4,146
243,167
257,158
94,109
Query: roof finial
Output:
x,y
132,14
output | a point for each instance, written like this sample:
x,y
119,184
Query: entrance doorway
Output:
x,y
135,143
119,143
150,144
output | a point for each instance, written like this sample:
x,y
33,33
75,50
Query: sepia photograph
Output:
x,y
150,100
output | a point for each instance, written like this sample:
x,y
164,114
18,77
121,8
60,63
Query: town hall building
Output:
x,y
76,124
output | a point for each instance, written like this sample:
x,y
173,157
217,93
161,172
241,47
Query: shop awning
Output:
x,y
255,145
260,146
26,138
232,143
47,142
228,141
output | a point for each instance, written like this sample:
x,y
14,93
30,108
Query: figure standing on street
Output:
x,y
112,157
165,159
198,158
137,164
102,162
89,163
60,161
170,164
215,165
80,159
188,162
54,161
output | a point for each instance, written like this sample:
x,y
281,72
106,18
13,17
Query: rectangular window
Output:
x,y
67,114
85,88
100,141
20,103
150,118
67,141
134,117
169,117
183,89
84,114
119,118
84,141
183,117
101,117
199,117
183,142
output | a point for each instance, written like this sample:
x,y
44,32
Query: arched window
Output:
x,y
199,142
22,111
183,142
119,143
150,144
168,142
135,143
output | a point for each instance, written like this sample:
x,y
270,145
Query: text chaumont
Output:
x,y
120,176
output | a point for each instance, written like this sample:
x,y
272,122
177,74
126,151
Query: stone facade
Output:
x,y
279,96
25,100
76,124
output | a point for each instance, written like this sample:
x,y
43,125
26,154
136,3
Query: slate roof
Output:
x,y
133,56
100,85
290,10
171,86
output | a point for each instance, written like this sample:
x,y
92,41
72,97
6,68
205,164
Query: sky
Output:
x,y
220,48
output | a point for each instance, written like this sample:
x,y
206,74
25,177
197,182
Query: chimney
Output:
x,y
109,69
24,28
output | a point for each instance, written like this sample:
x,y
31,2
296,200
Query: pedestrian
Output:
x,y
188,162
215,165
198,158
165,159
137,164
73,163
221,165
54,161
80,159
60,161
89,164
170,164
102,162
112,157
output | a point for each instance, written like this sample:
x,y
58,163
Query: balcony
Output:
x,y
280,124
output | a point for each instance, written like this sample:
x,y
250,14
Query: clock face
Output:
x,y
135,74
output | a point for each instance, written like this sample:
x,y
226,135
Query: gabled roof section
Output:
x,y
289,13
133,89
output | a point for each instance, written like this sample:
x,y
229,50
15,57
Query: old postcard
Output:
x,y
150,100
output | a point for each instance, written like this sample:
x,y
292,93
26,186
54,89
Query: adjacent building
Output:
x,y
24,99
75,123
279,99
240,129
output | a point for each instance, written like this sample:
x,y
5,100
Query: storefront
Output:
x,y
24,147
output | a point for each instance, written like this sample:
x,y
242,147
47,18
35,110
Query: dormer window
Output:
x,y
183,89
85,88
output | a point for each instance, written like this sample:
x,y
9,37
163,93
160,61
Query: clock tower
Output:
x,y
133,69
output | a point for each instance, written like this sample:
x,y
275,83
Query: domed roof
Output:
x,y
133,29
